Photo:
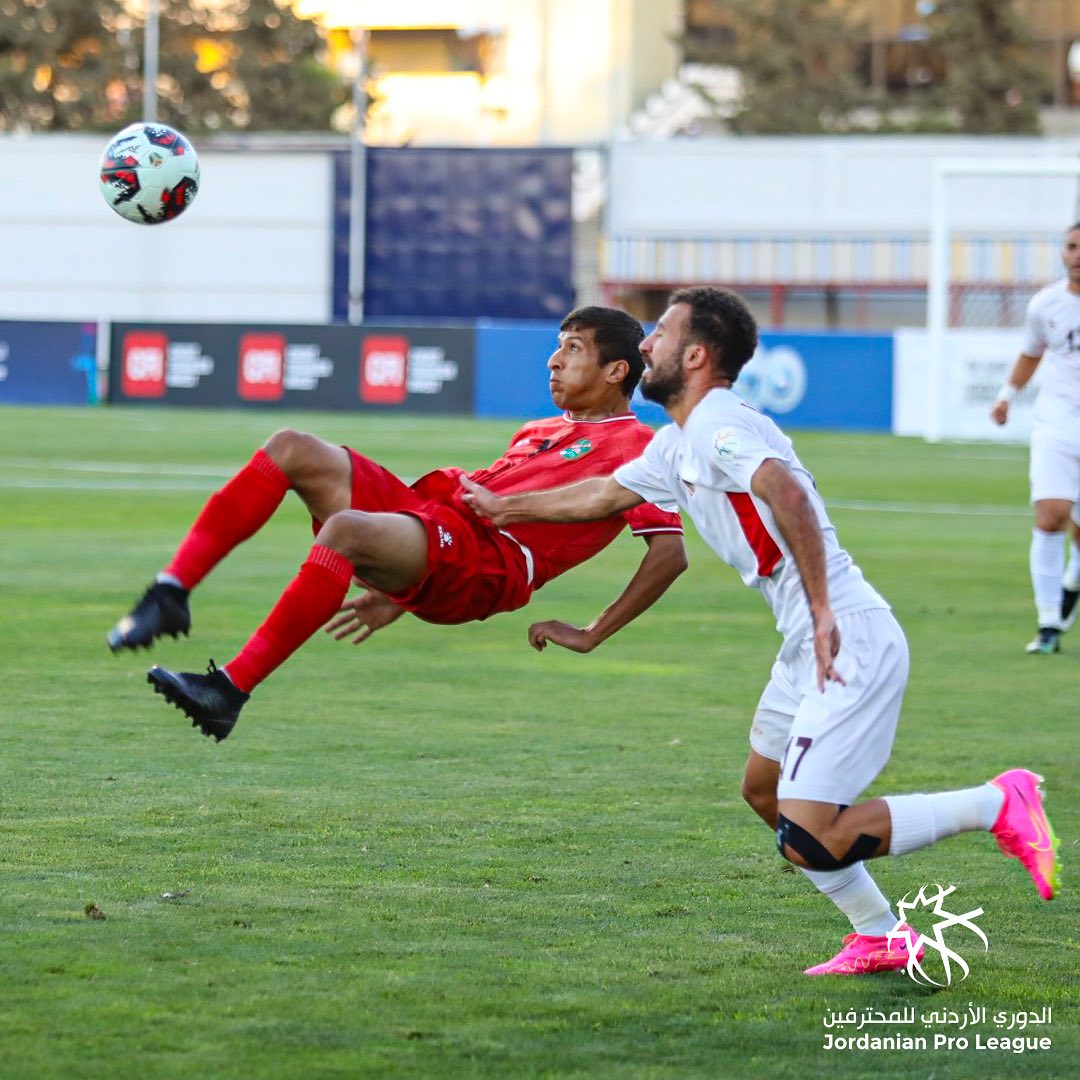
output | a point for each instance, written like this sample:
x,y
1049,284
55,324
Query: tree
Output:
x,y
248,64
63,64
795,61
992,85
233,64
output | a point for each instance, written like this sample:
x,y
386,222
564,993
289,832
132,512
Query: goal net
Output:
x,y
995,240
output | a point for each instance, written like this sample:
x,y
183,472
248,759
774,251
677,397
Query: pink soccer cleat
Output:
x,y
863,954
1023,831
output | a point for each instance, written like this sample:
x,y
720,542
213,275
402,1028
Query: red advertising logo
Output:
x,y
261,372
144,355
384,367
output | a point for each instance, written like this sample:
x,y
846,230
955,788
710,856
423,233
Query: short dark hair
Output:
x,y
721,321
618,336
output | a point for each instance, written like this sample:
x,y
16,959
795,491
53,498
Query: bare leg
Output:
x,y
388,550
318,471
759,786
821,834
851,889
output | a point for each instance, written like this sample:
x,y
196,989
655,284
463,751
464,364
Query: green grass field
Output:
x,y
440,854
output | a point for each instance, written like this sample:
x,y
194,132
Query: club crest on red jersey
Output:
x,y
576,450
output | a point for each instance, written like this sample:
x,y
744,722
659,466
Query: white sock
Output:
x,y
168,579
1047,559
856,894
920,820
1071,580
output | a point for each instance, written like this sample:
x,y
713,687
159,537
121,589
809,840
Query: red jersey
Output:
x,y
554,452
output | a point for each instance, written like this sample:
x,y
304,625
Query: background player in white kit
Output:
x,y
1052,339
825,723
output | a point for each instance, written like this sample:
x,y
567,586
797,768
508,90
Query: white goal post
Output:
x,y
995,236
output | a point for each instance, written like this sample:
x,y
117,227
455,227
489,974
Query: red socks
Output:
x,y
230,516
308,603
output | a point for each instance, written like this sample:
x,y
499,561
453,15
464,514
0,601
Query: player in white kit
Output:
x,y
1052,343
824,726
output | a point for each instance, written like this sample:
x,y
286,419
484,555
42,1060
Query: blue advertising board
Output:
x,y
460,233
48,363
829,380
834,381
511,368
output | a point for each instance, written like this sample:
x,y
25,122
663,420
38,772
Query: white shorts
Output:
x,y
1054,467
832,745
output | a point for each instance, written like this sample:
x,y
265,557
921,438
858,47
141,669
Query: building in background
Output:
x,y
496,73
831,233
893,54
579,72
834,233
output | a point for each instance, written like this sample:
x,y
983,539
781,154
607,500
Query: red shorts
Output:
x,y
474,571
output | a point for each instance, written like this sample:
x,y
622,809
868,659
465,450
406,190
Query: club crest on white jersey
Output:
x,y
727,443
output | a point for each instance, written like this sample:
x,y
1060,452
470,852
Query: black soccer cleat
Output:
x,y
1068,607
1046,642
162,610
210,701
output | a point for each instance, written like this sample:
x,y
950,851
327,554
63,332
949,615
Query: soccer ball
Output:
x,y
149,173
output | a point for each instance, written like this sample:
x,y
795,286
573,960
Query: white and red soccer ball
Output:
x,y
149,173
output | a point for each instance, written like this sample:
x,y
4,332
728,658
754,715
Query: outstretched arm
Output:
x,y
663,562
774,484
589,500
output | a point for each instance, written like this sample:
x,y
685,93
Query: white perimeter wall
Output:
x,y
255,244
819,186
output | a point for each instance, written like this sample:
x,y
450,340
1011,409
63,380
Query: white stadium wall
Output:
x,y
255,245
811,185
257,242
805,211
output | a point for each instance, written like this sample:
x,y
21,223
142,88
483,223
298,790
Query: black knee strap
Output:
x,y
817,856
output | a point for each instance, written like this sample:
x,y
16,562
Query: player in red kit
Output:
x,y
418,547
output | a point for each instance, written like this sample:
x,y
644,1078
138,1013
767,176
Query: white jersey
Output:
x,y
706,468
1052,331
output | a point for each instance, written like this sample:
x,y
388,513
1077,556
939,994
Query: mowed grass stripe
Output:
x,y
209,480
